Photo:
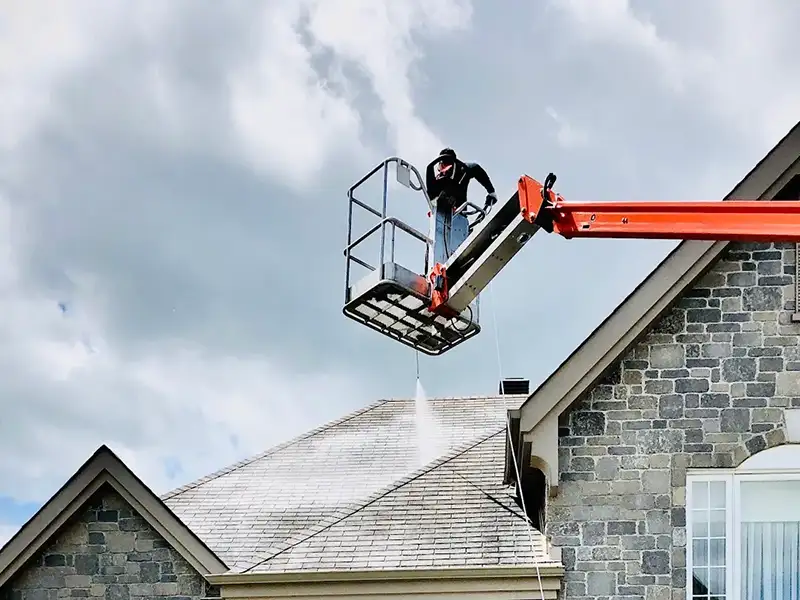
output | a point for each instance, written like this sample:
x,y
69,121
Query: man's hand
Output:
x,y
491,200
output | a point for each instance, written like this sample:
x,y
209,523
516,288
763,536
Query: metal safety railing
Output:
x,y
387,224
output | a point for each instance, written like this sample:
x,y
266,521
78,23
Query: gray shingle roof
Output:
x,y
356,494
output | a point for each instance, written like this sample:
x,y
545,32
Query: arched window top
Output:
x,y
780,458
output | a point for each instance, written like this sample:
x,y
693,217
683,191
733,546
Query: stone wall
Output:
x,y
108,552
706,388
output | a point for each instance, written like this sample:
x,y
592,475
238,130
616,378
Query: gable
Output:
x,y
106,549
635,317
716,371
103,471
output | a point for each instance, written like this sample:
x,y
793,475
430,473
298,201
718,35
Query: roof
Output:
x,y
455,513
636,315
104,468
356,494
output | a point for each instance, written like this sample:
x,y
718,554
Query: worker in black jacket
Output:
x,y
449,177
447,180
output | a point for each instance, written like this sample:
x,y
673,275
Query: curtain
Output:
x,y
770,565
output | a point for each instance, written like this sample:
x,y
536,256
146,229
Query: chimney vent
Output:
x,y
514,385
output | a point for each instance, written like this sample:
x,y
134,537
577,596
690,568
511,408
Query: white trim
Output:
x,y
736,537
484,583
707,476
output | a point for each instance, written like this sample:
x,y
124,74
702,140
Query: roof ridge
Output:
x,y
352,508
243,463
451,397
514,509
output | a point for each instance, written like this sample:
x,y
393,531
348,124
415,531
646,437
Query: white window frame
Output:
x,y
706,476
733,479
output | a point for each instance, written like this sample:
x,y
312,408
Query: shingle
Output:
x,y
328,498
457,514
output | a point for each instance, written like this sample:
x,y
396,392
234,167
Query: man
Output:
x,y
448,177
447,180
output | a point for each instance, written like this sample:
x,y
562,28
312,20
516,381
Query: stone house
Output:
x,y
356,506
660,461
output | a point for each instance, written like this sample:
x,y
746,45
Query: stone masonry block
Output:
x,y
667,356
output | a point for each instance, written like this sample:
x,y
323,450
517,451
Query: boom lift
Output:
x,y
436,310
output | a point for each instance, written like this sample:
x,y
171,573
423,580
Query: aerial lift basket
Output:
x,y
391,298
437,309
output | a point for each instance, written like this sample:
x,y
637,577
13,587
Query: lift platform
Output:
x,y
436,307
392,298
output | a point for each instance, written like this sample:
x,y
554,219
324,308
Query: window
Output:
x,y
743,529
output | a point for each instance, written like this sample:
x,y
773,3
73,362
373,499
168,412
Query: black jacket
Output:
x,y
455,186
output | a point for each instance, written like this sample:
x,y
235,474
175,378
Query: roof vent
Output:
x,y
514,385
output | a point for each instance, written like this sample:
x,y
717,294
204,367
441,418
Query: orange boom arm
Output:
x,y
732,220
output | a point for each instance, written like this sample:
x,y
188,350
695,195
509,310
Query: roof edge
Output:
x,y
636,314
104,467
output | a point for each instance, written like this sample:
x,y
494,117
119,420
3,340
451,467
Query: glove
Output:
x,y
491,200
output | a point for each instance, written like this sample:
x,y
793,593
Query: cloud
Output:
x,y
154,162
176,178
71,389
379,37
284,102
567,135
699,55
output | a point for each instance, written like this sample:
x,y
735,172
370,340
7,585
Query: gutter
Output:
x,y
544,570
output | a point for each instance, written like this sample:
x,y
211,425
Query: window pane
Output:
x,y
699,523
716,584
774,501
700,494
716,553
716,527
717,494
700,552
770,542
700,581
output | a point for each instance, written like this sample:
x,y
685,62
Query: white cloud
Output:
x,y
41,43
567,135
283,116
736,70
378,36
287,117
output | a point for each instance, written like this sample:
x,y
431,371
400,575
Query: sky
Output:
x,y
173,206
